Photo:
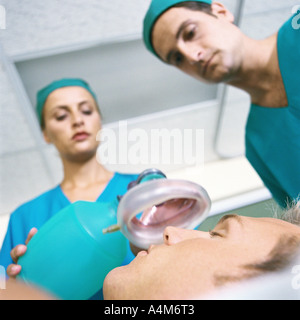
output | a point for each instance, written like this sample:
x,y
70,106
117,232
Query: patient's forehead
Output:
x,y
276,223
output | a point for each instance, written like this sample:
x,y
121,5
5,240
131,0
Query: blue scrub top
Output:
x,y
39,210
273,134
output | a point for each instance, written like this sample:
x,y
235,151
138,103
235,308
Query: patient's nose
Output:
x,y
174,235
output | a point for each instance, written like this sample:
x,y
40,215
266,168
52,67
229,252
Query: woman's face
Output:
x,y
187,265
72,121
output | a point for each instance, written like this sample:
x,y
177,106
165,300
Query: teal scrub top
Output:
x,y
273,134
39,210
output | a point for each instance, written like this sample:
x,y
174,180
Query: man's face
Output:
x,y
187,264
204,46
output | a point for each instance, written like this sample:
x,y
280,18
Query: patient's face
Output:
x,y
186,265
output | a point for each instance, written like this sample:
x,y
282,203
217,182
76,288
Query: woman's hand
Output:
x,y
14,269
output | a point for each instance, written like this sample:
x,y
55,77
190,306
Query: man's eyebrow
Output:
x,y
230,216
180,30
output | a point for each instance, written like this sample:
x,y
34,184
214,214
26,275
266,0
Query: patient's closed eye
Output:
x,y
214,234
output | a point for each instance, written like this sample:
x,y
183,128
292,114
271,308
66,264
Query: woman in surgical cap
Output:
x,y
70,120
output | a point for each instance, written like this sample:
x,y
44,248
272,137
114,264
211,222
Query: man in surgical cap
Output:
x,y
201,39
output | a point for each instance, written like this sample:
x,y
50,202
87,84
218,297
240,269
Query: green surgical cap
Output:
x,y
156,9
43,94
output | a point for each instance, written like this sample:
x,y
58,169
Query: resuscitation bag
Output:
x,y
69,256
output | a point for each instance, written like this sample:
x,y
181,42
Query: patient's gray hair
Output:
x,y
280,257
292,213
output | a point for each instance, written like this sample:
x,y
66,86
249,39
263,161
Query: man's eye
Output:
x,y
190,33
177,59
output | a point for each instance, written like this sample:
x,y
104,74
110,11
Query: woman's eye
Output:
x,y
87,112
61,117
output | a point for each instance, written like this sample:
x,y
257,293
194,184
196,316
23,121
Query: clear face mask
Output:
x,y
154,202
